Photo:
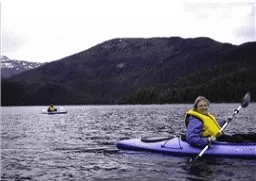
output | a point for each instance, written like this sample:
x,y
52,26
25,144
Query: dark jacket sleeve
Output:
x,y
194,132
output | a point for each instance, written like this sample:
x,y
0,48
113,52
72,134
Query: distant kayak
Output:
x,y
177,146
54,112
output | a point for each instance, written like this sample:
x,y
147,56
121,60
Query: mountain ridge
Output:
x,y
10,67
110,70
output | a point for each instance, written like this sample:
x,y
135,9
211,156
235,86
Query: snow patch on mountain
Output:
x,y
11,67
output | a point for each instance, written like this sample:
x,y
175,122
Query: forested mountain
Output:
x,y
134,70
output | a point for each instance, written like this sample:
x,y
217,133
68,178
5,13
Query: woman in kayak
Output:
x,y
203,127
52,108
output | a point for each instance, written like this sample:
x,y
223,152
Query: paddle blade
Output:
x,y
246,100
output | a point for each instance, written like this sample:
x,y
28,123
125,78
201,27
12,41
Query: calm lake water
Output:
x,y
81,144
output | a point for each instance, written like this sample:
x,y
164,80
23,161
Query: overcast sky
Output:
x,y
47,30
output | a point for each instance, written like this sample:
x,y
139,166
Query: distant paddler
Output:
x,y
51,108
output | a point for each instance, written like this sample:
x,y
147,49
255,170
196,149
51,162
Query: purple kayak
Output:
x,y
177,146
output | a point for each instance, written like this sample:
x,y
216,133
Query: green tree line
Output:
x,y
226,88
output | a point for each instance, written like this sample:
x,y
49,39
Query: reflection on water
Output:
x,y
81,144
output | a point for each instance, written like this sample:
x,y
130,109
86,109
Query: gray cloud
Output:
x,y
12,42
247,31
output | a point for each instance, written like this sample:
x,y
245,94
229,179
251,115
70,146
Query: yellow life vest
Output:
x,y
52,108
211,126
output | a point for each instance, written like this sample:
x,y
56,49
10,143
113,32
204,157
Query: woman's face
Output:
x,y
202,107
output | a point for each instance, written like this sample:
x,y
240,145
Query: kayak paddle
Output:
x,y
244,103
